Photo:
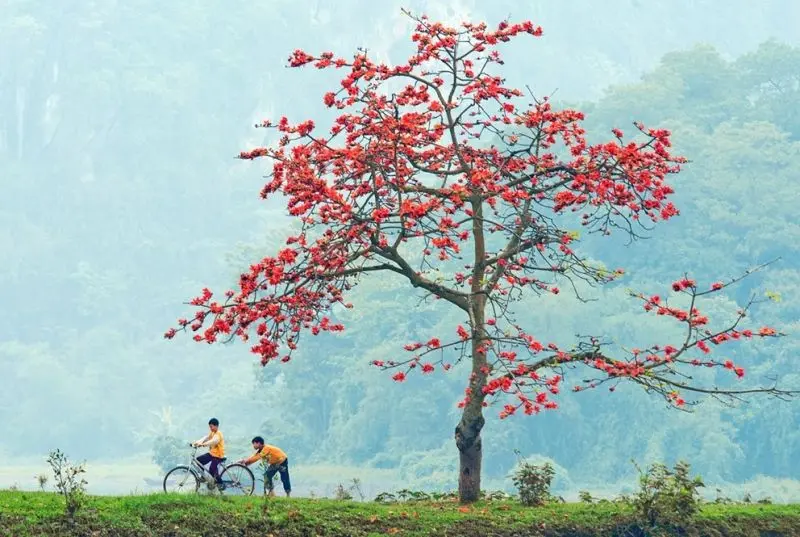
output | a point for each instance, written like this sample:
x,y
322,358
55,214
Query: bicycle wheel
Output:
x,y
238,480
181,480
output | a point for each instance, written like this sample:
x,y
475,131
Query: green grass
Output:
x,y
24,514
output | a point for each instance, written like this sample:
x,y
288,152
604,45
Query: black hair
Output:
x,y
258,440
213,421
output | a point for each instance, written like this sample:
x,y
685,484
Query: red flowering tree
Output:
x,y
439,172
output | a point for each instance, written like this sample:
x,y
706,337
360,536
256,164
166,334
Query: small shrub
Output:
x,y
533,482
68,481
348,493
667,497
721,499
585,496
341,493
495,495
41,480
411,496
385,497
405,495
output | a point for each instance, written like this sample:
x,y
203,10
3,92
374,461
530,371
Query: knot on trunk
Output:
x,y
468,433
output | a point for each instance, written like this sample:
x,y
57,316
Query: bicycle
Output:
x,y
236,478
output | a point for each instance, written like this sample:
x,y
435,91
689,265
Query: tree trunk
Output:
x,y
468,431
470,449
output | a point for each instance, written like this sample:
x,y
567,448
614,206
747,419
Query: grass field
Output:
x,y
25,514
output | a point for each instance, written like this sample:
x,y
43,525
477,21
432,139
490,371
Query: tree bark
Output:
x,y
468,431
470,449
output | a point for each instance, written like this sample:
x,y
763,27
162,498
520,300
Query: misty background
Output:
x,y
121,199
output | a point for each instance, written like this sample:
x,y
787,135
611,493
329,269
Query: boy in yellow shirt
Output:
x,y
216,442
275,460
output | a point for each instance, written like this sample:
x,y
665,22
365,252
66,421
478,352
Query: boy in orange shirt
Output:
x,y
276,461
216,454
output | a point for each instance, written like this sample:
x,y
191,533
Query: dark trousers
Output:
x,y
205,458
283,470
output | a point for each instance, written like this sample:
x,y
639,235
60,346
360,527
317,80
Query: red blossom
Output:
x,y
682,284
299,58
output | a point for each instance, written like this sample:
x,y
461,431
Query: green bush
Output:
x,y
666,497
533,482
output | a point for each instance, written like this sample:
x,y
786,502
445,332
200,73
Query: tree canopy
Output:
x,y
404,182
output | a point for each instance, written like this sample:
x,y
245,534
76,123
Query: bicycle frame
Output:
x,y
200,470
